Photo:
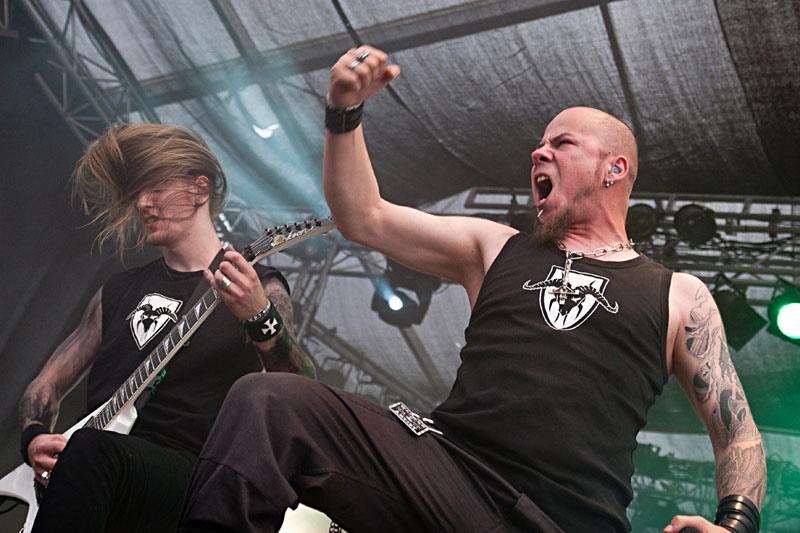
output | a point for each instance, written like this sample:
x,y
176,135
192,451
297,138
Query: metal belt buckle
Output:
x,y
412,420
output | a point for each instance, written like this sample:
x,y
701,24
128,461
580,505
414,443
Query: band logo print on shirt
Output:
x,y
567,306
152,314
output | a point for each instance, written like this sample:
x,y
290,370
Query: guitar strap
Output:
x,y
199,290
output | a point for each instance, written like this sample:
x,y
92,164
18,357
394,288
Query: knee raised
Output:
x,y
264,387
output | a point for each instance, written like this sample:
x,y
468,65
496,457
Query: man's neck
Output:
x,y
194,251
587,238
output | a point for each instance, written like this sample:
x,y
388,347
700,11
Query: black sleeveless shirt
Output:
x,y
552,394
137,305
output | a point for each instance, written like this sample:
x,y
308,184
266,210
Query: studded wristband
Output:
x,y
258,317
266,327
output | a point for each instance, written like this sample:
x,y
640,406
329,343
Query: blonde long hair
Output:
x,y
129,158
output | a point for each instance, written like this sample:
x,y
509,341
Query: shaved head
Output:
x,y
614,135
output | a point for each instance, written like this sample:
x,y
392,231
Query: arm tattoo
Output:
x,y
65,368
741,467
286,355
743,471
715,382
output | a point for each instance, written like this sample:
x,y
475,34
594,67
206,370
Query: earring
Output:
x,y
609,183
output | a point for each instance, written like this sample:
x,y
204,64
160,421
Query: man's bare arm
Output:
x,y
456,248
704,369
66,367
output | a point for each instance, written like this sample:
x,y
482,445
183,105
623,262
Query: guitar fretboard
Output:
x,y
154,363
273,240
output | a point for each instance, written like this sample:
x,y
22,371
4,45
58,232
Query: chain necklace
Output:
x,y
565,289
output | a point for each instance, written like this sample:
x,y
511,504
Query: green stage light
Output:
x,y
784,312
788,320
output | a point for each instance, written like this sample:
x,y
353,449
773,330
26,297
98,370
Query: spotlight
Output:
x,y
783,312
641,222
695,224
396,306
741,321
398,309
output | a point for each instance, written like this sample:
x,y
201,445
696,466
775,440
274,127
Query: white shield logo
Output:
x,y
584,296
151,315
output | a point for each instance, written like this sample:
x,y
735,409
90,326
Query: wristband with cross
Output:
x,y
265,324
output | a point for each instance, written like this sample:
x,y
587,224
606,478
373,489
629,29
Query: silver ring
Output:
x,y
45,475
362,55
225,282
354,64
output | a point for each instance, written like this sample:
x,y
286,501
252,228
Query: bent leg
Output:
x,y
281,439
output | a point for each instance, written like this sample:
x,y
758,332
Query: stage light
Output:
x,y
695,224
398,309
741,322
395,303
641,222
783,312
396,306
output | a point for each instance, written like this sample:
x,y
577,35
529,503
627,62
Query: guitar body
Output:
x,y
20,482
119,414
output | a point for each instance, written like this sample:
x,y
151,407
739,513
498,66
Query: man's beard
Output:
x,y
554,229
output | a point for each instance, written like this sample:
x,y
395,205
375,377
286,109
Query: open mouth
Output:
x,y
543,186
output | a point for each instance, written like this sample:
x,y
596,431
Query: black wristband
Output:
x,y
265,328
28,434
342,120
738,514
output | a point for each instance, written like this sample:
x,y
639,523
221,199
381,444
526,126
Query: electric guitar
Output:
x,y
118,414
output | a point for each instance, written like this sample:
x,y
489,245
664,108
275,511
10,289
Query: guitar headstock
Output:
x,y
281,237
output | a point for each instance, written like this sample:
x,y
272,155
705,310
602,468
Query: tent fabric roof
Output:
x,y
711,88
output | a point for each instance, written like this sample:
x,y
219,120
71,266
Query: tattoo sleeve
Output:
x,y
285,354
741,467
66,367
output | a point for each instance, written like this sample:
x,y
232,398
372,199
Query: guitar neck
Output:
x,y
273,240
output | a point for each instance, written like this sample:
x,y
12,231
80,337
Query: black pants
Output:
x,y
107,482
281,439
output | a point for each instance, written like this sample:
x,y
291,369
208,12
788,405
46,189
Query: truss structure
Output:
x,y
664,485
757,239
90,88
6,29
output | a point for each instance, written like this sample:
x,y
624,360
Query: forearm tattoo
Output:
x,y
287,355
716,386
66,367
743,471
37,406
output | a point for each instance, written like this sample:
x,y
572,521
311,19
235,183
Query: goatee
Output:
x,y
555,229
